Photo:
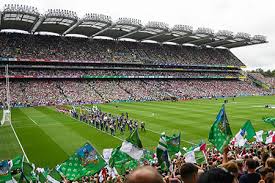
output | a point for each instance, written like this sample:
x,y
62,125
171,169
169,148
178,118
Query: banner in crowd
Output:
x,y
245,134
167,146
127,156
196,153
269,120
86,161
220,133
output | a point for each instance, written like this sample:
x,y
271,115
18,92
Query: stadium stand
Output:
x,y
47,69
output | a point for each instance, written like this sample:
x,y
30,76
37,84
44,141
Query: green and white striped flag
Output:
x,y
162,152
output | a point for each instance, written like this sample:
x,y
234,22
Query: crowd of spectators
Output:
x,y
81,49
62,91
259,77
69,73
255,164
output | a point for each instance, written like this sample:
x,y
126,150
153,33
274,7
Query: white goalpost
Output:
x,y
6,119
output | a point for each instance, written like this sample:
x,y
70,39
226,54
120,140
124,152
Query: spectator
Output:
x,y
145,174
216,175
189,173
251,176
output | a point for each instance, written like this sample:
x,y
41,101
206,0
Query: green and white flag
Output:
x,y
173,144
135,139
220,133
245,134
54,176
122,162
162,152
269,120
133,146
28,174
86,161
16,163
126,156
195,154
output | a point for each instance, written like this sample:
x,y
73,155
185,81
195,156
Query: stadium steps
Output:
x,y
62,92
258,83
132,96
97,92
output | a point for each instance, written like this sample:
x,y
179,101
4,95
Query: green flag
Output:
x,y
134,139
54,176
248,131
28,173
122,161
85,162
162,152
173,144
220,133
269,120
16,163
42,176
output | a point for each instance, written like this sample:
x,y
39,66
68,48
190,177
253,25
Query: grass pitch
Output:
x,y
49,137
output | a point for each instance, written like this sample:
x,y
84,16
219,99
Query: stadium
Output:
x,y
72,86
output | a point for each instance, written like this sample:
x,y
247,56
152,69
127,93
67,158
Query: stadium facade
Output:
x,y
62,69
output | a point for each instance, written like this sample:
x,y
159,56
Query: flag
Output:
x,y
86,161
196,154
245,134
220,133
173,144
127,156
5,174
54,176
162,152
248,131
16,163
261,136
190,157
269,120
28,173
134,139
132,146
122,161
131,150
42,175
270,138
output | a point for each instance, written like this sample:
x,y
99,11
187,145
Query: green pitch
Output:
x,y
49,137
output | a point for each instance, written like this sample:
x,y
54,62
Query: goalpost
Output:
x,y
6,119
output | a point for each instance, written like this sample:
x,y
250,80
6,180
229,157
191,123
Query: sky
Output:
x,y
251,16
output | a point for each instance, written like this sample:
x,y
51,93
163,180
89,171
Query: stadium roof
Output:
x,y
65,22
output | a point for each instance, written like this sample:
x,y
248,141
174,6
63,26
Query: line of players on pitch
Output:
x,y
108,123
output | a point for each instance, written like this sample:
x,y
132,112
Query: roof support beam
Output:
x,y
235,44
72,27
176,38
37,24
130,33
217,43
103,30
156,35
198,40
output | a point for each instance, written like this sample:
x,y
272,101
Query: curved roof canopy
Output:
x,y
65,22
